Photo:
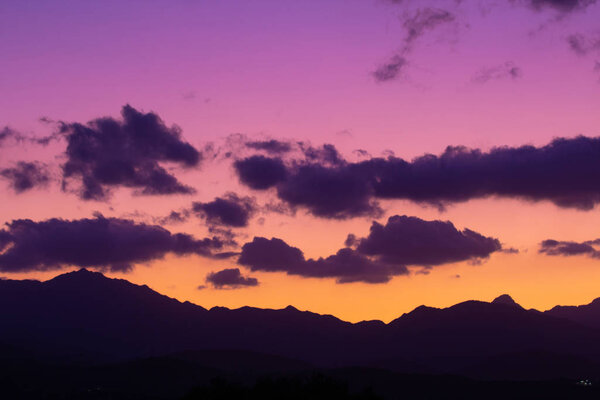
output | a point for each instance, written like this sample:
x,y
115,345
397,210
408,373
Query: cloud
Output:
x,y
174,217
415,26
583,45
391,69
337,192
7,133
508,70
271,146
270,255
413,241
274,255
563,6
552,247
230,278
326,154
260,172
229,210
385,253
424,20
26,175
566,172
107,153
102,243
319,181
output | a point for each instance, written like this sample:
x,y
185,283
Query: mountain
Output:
x,y
473,332
86,318
506,300
586,314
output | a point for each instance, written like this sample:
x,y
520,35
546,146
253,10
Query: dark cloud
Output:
x,y
563,6
260,172
385,253
103,243
583,45
415,26
226,236
225,255
348,265
413,241
565,172
322,182
326,154
230,278
278,208
26,175
552,247
107,153
351,240
345,266
331,192
174,217
270,255
5,239
507,70
229,210
271,146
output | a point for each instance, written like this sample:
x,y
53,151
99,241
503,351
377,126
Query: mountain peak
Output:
x,y
506,300
81,274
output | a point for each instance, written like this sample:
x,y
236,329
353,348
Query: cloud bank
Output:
x,y
565,172
386,252
103,243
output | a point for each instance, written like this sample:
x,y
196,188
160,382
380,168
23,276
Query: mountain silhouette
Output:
x,y
86,318
506,300
588,314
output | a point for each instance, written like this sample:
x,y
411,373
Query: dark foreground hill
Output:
x,y
205,376
84,320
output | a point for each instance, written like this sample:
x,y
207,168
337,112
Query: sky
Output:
x,y
356,158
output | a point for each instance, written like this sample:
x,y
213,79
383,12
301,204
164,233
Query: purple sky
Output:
x,y
479,74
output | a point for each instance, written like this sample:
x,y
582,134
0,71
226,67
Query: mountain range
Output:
x,y
85,318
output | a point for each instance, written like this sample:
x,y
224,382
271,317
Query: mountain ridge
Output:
x,y
88,275
85,317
